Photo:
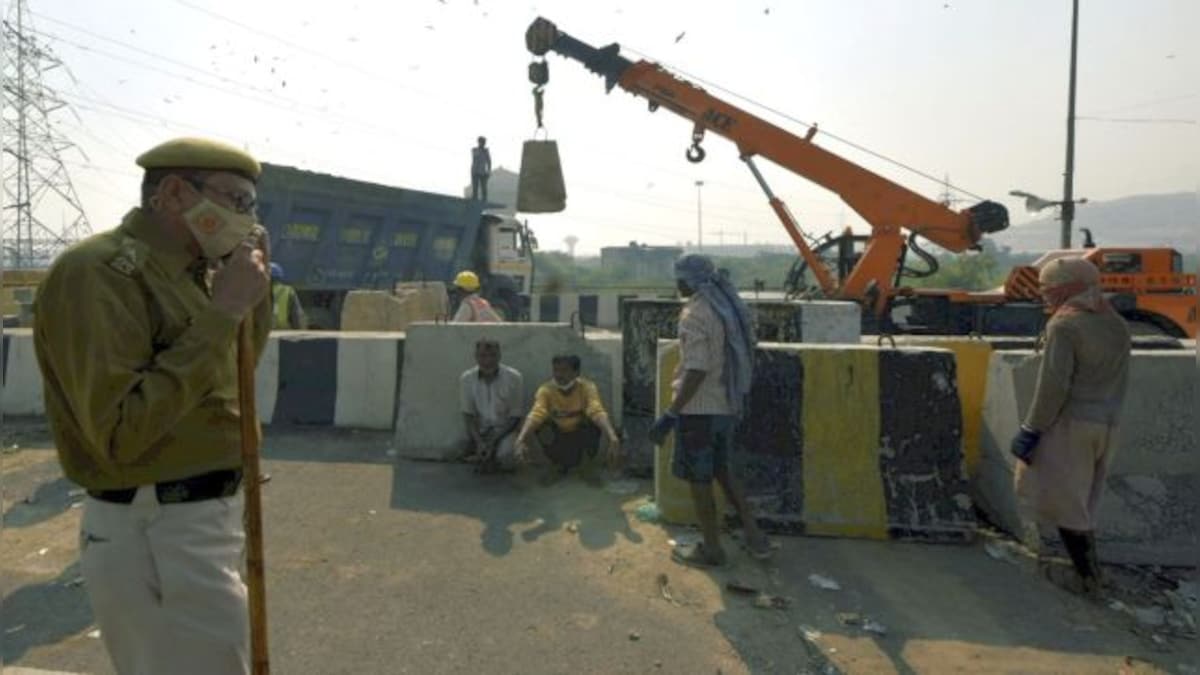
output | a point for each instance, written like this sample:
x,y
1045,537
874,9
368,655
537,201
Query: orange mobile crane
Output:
x,y
869,267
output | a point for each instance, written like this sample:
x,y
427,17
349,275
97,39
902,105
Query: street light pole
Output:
x,y
1068,203
699,218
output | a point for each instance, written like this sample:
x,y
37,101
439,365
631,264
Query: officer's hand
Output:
x,y
522,449
242,282
1024,444
261,240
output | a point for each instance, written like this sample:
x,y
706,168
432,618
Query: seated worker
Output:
x,y
573,404
492,396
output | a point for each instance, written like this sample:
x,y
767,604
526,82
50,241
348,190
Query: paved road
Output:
x,y
383,567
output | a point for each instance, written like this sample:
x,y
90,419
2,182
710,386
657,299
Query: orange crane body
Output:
x,y
889,208
1157,292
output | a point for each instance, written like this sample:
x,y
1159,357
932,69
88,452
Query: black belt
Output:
x,y
223,483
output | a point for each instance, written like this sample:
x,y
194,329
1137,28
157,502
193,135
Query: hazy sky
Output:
x,y
396,92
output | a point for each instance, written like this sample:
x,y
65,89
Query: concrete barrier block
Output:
x,y
428,420
609,344
321,378
846,440
331,379
972,358
393,311
22,381
645,321
266,381
1150,512
369,368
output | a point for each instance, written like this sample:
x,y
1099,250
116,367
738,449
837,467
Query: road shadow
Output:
x,y
944,609
44,613
523,504
326,444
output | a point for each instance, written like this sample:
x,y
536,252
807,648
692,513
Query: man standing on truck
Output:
x,y
711,386
481,168
492,398
136,337
576,414
286,309
473,308
1069,437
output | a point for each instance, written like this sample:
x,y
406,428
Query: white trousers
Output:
x,y
165,584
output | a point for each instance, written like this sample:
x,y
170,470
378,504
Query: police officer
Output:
x,y
136,332
286,309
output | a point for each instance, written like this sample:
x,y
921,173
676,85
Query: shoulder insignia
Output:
x,y
129,258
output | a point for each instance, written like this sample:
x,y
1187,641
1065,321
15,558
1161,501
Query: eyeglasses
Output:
x,y
242,202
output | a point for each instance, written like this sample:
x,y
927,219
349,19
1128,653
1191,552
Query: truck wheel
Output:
x,y
1146,329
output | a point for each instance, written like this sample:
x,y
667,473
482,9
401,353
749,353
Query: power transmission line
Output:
x,y
36,186
1138,120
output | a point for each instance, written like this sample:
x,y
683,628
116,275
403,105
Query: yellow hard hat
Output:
x,y
467,280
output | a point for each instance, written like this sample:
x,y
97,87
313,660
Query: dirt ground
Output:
x,y
382,566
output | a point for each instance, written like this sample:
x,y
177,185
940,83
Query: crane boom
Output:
x,y
887,207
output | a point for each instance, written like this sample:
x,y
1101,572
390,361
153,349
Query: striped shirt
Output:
x,y
702,347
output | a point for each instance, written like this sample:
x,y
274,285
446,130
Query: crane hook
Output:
x,y
695,154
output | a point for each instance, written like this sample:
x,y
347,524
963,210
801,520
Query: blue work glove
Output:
x,y
663,426
1024,444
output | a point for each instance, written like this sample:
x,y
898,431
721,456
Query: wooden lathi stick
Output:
x,y
252,484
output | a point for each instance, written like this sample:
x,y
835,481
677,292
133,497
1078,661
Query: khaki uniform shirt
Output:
x,y
702,347
140,368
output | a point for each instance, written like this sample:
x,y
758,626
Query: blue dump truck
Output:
x,y
333,235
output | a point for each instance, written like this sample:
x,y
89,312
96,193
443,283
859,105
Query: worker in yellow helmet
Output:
x,y
473,308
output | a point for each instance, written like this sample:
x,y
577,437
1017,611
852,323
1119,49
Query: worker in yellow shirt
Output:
x,y
572,404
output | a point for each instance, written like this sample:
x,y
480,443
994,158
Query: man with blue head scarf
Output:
x,y
711,387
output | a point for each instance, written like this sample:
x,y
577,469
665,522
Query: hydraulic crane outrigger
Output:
x,y
888,208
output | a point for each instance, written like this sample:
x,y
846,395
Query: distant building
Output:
x,y
502,191
742,250
641,262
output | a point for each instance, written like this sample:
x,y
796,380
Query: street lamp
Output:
x,y
699,219
1034,203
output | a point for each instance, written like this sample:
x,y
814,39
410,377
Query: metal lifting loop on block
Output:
x,y
885,336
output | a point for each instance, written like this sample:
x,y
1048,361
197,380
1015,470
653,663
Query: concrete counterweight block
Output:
x,y
1150,511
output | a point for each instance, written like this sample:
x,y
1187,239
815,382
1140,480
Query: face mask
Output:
x,y
567,386
218,230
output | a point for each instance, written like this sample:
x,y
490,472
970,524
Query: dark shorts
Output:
x,y
567,449
703,444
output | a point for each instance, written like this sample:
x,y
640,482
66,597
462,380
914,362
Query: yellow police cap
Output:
x,y
199,153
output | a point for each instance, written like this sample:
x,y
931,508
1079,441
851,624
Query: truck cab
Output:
x,y
333,235
503,259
